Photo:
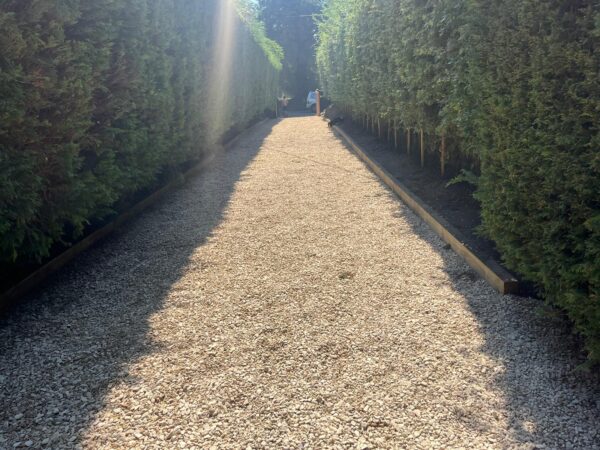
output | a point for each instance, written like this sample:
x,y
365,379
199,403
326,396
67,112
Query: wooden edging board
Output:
x,y
17,291
490,270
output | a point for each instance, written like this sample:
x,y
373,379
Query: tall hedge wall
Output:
x,y
513,85
98,98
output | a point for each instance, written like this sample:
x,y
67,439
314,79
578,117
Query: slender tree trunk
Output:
x,y
422,149
443,156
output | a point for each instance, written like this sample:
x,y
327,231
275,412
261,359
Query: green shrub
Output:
x,y
97,99
515,84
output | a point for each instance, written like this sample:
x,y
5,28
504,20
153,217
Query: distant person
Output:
x,y
311,101
284,105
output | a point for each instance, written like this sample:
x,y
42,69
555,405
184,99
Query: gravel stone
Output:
x,y
285,298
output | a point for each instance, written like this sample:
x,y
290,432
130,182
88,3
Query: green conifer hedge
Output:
x,y
514,87
99,98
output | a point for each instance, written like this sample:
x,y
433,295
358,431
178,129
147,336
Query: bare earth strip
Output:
x,y
285,299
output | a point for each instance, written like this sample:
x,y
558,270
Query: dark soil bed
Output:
x,y
454,203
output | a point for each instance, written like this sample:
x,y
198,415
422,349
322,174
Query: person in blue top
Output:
x,y
311,101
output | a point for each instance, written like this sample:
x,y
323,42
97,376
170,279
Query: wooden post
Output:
x,y
395,136
389,130
318,103
408,141
422,149
443,155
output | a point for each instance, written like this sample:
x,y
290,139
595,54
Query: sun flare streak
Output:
x,y
222,67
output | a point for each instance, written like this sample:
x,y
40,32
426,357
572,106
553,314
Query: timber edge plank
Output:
x,y
496,275
19,290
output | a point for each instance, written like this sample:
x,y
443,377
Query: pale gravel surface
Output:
x,y
285,299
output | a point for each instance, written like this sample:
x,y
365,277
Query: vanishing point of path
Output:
x,y
285,299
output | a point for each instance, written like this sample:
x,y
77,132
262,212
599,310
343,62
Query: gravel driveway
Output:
x,y
285,299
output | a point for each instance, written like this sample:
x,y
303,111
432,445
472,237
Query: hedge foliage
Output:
x,y
99,98
291,24
513,85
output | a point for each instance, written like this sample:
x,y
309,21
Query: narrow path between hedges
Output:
x,y
285,299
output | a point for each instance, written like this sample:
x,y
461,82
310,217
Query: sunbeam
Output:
x,y
221,72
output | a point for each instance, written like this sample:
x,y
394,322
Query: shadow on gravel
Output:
x,y
547,400
64,346
299,113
